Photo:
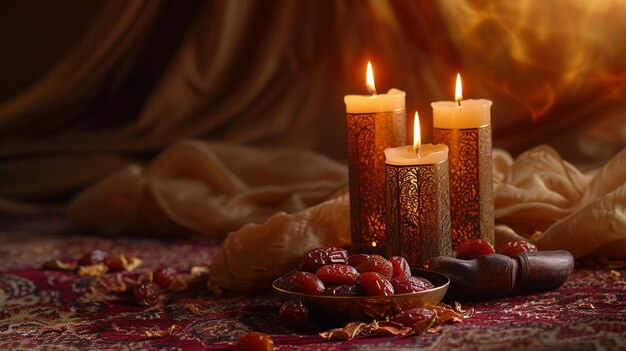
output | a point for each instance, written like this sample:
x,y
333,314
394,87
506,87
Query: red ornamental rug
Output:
x,y
56,309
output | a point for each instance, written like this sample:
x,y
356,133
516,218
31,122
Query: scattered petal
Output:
x,y
130,263
466,313
389,328
145,278
93,270
160,333
434,330
193,308
199,270
586,305
59,265
348,332
615,273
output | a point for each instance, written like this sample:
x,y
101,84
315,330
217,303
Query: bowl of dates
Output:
x,y
359,287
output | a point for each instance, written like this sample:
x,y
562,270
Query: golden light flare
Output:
x,y
458,90
417,138
369,79
538,55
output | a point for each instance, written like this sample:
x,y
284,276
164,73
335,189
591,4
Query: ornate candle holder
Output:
x,y
368,136
418,212
471,182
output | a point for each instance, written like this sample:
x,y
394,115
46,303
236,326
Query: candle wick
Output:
x,y
459,102
418,151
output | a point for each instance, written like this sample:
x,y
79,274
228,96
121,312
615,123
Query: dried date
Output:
x,y
470,249
375,284
294,315
336,274
316,258
408,284
306,283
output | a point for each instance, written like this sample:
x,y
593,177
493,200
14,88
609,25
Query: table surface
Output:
x,y
63,310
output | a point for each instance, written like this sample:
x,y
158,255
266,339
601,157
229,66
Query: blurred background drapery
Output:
x,y
88,87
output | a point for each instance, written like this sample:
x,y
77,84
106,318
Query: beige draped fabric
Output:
x,y
544,198
148,73
209,189
277,204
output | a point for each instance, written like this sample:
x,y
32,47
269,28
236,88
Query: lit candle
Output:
x,y
393,100
461,114
374,122
416,154
465,127
418,201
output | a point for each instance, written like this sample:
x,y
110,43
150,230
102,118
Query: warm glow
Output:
x,y
369,79
417,138
458,91
373,244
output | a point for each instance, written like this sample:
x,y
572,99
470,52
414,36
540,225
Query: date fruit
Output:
x,y
375,284
376,263
400,266
336,274
316,258
513,248
147,293
356,259
470,249
255,342
93,257
409,317
307,283
294,315
164,276
407,284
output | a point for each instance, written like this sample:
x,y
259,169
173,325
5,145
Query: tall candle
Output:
x,y
374,122
418,201
465,127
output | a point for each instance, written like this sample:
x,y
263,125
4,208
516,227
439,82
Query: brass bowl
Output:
x,y
366,308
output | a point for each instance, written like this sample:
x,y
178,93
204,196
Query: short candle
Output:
x,y
418,202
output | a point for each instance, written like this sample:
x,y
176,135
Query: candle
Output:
x,y
465,127
418,202
374,122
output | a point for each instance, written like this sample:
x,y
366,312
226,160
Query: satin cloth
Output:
x,y
214,189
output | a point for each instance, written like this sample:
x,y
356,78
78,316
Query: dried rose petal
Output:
x,y
147,277
199,270
193,308
93,270
160,333
348,332
59,265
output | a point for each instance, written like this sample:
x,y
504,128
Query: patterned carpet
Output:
x,y
56,309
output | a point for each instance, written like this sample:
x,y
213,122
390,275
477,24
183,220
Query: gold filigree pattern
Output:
x,y
471,182
418,212
368,136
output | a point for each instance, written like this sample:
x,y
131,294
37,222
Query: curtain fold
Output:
x,y
149,73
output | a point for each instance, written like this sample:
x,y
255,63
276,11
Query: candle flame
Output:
x,y
417,138
374,244
369,79
458,92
